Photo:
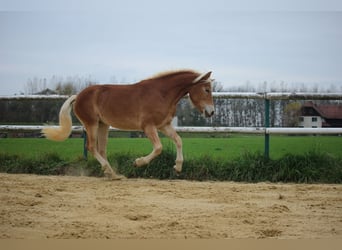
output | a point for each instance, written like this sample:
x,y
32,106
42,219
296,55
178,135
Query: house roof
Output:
x,y
328,111
46,92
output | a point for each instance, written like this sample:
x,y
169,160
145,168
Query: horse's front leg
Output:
x,y
152,133
169,131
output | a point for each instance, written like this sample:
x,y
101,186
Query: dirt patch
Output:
x,y
85,207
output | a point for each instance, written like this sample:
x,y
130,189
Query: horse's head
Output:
x,y
200,94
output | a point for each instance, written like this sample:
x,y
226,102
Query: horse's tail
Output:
x,y
61,132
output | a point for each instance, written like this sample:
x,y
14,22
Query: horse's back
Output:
x,y
109,94
131,107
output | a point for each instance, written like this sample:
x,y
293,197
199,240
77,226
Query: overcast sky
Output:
x,y
290,41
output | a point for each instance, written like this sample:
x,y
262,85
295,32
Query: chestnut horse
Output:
x,y
148,105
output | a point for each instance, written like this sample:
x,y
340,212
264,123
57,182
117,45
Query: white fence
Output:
x,y
242,130
232,95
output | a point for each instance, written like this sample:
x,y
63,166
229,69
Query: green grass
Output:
x,y
218,148
229,148
307,159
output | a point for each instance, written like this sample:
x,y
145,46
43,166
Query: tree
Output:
x,y
70,85
65,88
217,87
292,113
35,85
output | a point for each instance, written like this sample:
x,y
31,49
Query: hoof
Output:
x,y
177,169
118,177
139,162
111,175
114,177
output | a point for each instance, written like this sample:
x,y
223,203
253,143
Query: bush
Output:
x,y
49,164
310,167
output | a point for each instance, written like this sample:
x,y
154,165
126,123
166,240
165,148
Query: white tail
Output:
x,y
61,132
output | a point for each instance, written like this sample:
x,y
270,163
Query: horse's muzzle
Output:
x,y
209,110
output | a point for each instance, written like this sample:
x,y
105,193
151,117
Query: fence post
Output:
x,y
85,151
267,125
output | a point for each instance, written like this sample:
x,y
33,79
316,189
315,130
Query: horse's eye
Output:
x,y
207,90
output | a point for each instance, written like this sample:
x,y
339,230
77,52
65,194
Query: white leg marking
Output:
x,y
169,131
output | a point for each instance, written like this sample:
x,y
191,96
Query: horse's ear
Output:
x,y
202,77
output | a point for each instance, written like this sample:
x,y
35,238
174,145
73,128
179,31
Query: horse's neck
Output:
x,y
177,88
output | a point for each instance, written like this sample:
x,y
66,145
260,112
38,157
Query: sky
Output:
x,y
293,41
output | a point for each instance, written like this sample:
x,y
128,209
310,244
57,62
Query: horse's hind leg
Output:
x,y
92,145
152,133
102,138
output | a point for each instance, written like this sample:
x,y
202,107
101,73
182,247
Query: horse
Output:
x,y
148,106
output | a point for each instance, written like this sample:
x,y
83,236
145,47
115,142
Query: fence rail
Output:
x,y
266,130
232,95
243,130
33,97
278,96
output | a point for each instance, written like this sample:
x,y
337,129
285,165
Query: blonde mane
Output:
x,y
171,73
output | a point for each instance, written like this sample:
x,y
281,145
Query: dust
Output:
x,y
69,207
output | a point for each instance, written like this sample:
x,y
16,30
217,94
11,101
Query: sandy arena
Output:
x,y
86,207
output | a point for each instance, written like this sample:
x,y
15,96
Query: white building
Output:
x,y
317,116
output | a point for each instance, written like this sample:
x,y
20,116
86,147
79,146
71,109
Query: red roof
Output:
x,y
329,111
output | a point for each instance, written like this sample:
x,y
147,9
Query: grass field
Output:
x,y
218,148
312,159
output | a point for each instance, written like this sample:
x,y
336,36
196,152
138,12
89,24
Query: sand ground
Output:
x,y
69,207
